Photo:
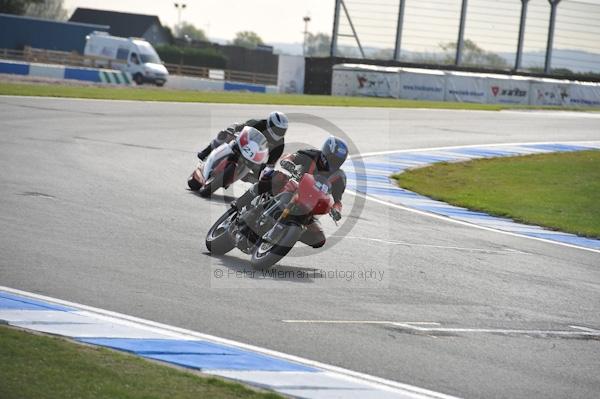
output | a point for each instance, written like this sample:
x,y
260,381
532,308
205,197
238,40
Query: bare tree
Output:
x,y
247,39
317,45
186,29
48,9
473,55
17,7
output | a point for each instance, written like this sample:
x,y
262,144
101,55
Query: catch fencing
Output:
x,y
521,35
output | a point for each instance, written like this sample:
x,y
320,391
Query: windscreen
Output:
x,y
147,53
253,145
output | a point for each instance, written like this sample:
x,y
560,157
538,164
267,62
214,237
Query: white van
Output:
x,y
134,56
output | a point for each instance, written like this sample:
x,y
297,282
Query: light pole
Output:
x,y
306,21
179,7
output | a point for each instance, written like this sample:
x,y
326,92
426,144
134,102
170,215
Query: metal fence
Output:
x,y
534,35
75,59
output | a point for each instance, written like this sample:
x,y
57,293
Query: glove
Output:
x,y
335,215
266,173
225,136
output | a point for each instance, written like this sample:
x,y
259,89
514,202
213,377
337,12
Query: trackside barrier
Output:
x,y
44,56
109,76
179,82
438,85
93,75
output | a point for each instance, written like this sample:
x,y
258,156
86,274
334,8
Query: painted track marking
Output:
x,y
428,213
423,327
410,244
385,388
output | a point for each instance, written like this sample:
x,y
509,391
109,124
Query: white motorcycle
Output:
x,y
230,162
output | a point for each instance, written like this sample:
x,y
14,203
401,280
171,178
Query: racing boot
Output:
x,y
205,152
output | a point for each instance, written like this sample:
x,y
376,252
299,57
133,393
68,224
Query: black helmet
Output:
x,y
333,153
277,124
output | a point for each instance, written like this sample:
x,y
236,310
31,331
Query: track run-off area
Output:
x,y
95,211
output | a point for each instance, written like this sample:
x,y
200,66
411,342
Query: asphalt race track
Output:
x,y
95,210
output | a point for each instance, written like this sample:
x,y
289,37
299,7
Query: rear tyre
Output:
x,y
138,79
193,184
216,182
218,239
267,254
209,187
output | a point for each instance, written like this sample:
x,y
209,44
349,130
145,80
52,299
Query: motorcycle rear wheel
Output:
x,y
218,239
193,184
216,182
267,254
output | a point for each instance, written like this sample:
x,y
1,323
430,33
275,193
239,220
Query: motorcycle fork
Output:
x,y
285,215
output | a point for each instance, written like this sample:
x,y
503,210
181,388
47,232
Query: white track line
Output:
x,y
585,329
461,222
454,147
376,382
424,323
409,244
447,219
416,326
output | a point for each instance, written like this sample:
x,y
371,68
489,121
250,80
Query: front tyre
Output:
x,y
267,254
218,239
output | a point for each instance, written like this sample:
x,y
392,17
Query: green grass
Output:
x,y
560,191
36,367
163,94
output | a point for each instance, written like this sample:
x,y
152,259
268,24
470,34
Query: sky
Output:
x,y
273,20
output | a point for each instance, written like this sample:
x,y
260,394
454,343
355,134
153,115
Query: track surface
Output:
x,y
94,210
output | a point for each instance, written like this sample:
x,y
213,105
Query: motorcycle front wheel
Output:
x,y
267,254
218,239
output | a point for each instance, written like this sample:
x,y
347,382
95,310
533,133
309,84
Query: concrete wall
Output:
x,y
96,75
178,82
92,75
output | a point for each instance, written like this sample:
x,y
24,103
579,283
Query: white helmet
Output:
x,y
277,124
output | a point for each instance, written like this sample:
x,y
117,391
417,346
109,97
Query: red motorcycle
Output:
x,y
238,159
270,226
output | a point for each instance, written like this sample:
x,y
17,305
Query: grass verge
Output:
x,y
163,94
36,366
560,191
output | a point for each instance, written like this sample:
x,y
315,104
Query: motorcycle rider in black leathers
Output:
x,y
273,128
325,162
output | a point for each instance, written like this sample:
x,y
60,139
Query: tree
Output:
x,y
383,54
186,29
48,9
17,7
169,33
247,39
473,55
317,45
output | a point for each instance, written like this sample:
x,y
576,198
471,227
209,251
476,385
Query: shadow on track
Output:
x,y
217,198
276,273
